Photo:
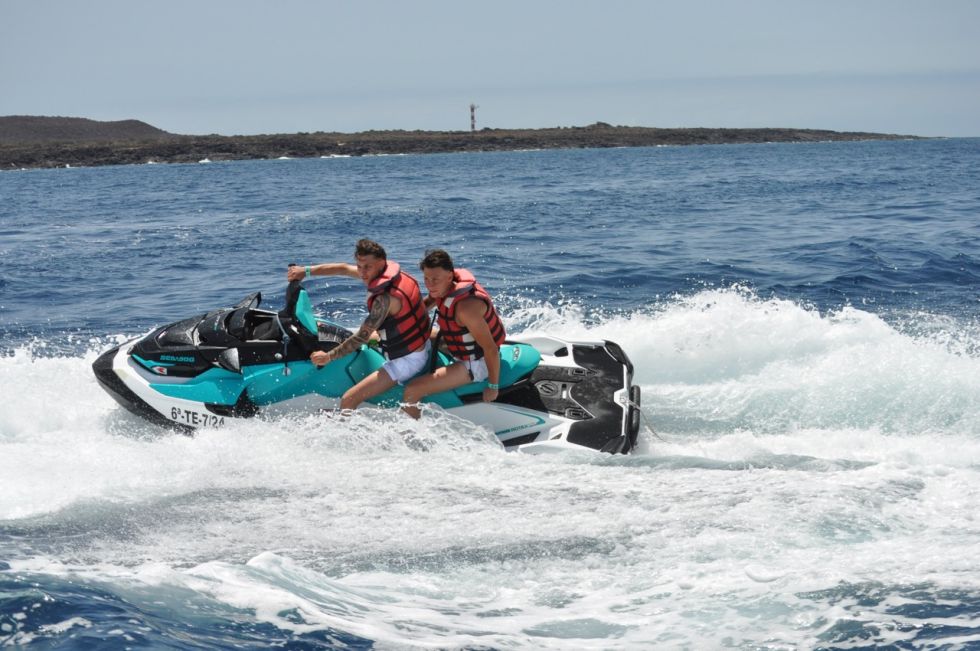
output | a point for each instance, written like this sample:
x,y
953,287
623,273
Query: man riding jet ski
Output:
x,y
242,361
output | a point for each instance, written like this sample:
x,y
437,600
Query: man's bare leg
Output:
x,y
443,379
374,384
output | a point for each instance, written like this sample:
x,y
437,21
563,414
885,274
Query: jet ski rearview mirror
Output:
x,y
229,361
251,301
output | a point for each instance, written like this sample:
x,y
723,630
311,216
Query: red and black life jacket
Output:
x,y
459,341
408,330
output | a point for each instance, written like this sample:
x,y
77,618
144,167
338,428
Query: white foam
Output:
x,y
724,359
772,485
64,626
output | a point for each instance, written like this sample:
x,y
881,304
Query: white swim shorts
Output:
x,y
403,369
476,367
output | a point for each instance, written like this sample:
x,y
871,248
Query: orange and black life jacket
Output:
x,y
408,330
459,341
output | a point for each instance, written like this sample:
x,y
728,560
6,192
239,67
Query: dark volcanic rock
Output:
x,y
136,142
25,129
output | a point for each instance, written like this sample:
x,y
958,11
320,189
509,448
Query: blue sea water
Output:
x,y
804,324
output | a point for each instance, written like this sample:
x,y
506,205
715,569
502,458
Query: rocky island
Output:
x,y
38,142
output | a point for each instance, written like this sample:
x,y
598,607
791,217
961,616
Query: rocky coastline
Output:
x,y
20,151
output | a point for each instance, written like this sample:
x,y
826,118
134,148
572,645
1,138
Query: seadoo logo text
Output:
x,y
176,358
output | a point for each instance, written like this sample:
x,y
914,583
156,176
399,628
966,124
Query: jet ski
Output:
x,y
243,361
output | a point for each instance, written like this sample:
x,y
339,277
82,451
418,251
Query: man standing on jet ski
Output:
x,y
396,311
468,324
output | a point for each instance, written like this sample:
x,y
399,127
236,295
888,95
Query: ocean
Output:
x,y
803,319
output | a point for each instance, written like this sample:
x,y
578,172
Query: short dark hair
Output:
x,y
436,259
370,247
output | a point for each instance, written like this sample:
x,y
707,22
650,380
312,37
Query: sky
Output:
x,y
248,67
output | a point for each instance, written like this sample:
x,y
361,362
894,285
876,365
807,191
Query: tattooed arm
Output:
x,y
377,315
